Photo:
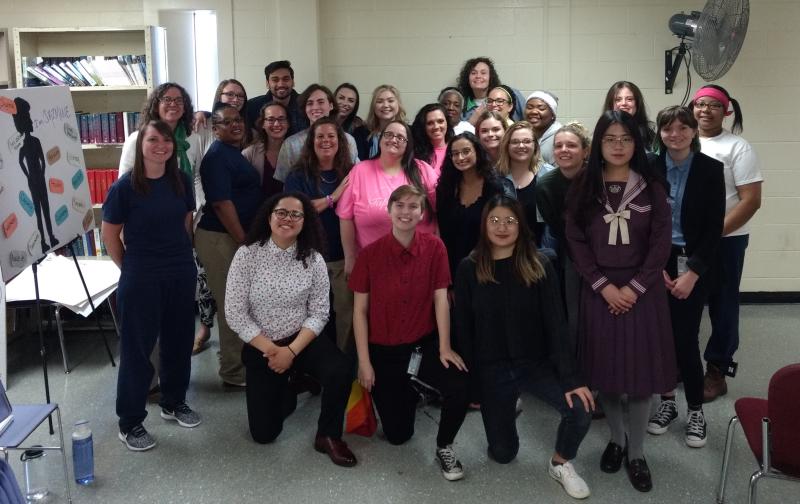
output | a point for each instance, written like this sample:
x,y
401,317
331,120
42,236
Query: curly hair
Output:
x,y
150,107
463,76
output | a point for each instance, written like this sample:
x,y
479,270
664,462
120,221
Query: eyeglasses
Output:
x,y
462,153
623,141
228,122
521,141
283,214
713,105
231,95
168,100
495,221
496,101
388,135
275,120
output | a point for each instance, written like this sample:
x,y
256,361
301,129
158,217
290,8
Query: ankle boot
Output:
x,y
714,384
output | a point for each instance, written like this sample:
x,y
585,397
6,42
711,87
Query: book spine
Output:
x,y
120,138
105,128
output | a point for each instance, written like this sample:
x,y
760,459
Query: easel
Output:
x,y
42,348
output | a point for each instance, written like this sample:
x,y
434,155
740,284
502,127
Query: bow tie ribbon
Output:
x,y
618,221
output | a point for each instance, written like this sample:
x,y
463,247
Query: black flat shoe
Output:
x,y
639,474
611,461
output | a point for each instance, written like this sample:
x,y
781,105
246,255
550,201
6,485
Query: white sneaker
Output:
x,y
573,484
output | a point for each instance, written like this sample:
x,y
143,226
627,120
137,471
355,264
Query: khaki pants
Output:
x,y
216,251
342,305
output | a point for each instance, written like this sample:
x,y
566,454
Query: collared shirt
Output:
x,y
400,283
677,174
270,291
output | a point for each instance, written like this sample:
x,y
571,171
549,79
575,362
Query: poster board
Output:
x,y
44,191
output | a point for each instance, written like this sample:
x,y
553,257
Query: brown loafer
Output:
x,y
336,449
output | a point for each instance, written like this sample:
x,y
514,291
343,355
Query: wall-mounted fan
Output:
x,y
712,38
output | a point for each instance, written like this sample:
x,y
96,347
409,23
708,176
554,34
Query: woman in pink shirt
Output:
x,y
362,207
431,134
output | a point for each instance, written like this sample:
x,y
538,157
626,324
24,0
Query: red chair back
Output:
x,y
784,415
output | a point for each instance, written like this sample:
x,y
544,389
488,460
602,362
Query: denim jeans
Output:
x,y
501,385
723,302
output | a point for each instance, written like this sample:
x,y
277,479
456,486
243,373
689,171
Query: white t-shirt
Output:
x,y
741,167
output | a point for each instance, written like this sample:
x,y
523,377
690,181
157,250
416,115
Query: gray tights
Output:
x,y
638,413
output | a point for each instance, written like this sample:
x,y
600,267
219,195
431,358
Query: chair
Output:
x,y
770,427
27,418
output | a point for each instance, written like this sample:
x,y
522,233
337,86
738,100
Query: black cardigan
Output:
x,y
702,209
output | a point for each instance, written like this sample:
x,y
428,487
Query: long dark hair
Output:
x,y
463,77
408,162
352,121
309,162
587,192
646,127
450,179
528,267
310,237
738,119
150,108
423,148
138,177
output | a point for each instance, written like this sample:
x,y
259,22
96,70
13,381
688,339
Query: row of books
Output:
x,y
123,70
90,244
108,127
99,182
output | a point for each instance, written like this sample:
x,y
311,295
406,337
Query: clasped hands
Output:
x,y
620,300
279,358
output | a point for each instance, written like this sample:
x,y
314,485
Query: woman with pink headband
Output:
x,y
711,104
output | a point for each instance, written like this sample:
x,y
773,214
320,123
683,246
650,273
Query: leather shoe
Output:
x,y
611,461
714,384
639,474
336,449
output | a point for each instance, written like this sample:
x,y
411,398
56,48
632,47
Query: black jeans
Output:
x,y
723,302
269,399
501,385
686,315
396,400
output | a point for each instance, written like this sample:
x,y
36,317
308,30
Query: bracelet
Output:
x,y
290,349
330,201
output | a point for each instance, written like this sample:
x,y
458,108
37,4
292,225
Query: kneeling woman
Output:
x,y
277,302
401,321
512,332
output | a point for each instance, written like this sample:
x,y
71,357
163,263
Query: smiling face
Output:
x,y
156,148
386,106
274,122
521,145
280,83
618,146
285,230
490,132
318,105
709,114
435,127
479,79
170,106
406,212
625,100
502,227
538,113
677,137
326,142
233,94
346,100
498,101
228,126
452,104
463,155
568,151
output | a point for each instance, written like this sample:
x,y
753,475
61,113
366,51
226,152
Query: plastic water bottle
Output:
x,y
83,453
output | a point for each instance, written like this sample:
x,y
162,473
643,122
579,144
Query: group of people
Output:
x,y
481,251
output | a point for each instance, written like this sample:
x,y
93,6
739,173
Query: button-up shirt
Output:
x,y
677,174
270,291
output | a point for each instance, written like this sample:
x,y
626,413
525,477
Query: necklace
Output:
x,y
614,188
327,181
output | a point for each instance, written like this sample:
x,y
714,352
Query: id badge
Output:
x,y
415,361
683,264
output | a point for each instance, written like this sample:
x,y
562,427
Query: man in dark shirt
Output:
x,y
280,84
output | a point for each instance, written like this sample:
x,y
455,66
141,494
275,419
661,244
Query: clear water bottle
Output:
x,y
83,453
35,469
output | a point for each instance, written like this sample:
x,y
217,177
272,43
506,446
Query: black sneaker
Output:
x,y
666,413
137,439
451,467
183,414
696,429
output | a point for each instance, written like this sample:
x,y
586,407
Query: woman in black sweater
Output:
x,y
512,336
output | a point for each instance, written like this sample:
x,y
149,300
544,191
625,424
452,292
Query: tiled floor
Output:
x,y
218,463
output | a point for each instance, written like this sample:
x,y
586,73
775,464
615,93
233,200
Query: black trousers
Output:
x,y
686,315
269,399
396,400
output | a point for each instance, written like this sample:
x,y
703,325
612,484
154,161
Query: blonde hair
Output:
x,y
503,165
373,123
